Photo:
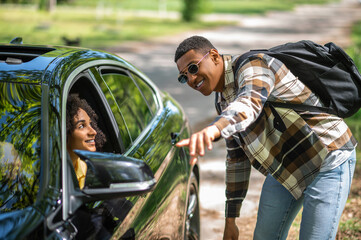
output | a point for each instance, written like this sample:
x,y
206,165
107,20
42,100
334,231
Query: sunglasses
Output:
x,y
193,68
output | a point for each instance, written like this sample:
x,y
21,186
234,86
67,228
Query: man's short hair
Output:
x,y
197,43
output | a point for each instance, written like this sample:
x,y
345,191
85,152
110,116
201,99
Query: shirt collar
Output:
x,y
229,85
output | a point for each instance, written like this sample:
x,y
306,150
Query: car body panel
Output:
x,y
28,218
50,76
166,163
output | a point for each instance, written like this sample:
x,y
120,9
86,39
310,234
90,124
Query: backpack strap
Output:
x,y
241,59
297,107
301,107
217,104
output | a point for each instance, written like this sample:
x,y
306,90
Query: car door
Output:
x,y
95,211
152,124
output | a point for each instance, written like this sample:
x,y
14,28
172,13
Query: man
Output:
x,y
308,157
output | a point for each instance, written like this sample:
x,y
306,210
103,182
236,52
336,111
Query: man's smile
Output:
x,y
200,84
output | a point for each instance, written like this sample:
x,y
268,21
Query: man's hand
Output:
x,y
230,230
199,140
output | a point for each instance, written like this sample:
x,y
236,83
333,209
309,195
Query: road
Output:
x,y
321,24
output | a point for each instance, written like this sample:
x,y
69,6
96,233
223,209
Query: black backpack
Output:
x,y
327,70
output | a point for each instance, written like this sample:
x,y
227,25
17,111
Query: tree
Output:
x,y
47,5
190,10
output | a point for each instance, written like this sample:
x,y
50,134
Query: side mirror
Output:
x,y
114,175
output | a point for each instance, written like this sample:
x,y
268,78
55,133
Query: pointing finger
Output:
x,y
183,143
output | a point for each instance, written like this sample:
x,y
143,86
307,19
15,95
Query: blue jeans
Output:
x,y
323,202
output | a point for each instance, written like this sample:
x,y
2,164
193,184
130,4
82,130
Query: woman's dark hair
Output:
x,y
73,104
197,43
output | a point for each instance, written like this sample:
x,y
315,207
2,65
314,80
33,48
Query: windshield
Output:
x,y
20,131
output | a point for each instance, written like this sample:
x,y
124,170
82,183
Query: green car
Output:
x,y
138,186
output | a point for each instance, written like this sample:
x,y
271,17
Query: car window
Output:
x,y
147,92
93,95
131,103
20,145
123,129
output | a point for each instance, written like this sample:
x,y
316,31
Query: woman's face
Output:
x,y
83,136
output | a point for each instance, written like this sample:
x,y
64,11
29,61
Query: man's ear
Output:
x,y
214,55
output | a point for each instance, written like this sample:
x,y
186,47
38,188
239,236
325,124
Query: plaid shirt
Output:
x,y
290,145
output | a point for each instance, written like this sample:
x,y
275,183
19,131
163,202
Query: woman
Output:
x,y
82,133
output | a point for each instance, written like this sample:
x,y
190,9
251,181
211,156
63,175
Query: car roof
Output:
x,y
29,63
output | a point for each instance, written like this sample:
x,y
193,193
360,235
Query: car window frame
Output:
x,y
153,88
130,75
156,115
68,82
101,101
68,175
136,117
154,95
98,77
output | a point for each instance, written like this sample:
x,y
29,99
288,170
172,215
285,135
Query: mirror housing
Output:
x,y
114,175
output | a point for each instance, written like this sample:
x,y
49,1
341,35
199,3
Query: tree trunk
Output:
x,y
47,5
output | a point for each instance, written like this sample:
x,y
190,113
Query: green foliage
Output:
x,y
356,37
96,29
16,1
351,225
355,126
355,50
216,6
355,53
42,4
257,7
350,228
190,10
105,23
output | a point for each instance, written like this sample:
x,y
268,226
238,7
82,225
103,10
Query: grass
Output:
x,y
258,7
215,6
103,24
96,30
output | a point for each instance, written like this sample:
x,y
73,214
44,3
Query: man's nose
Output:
x,y
191,78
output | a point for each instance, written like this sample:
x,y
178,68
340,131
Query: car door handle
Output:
x,y
174,137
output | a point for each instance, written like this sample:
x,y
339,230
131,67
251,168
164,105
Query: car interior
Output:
x,y
85,88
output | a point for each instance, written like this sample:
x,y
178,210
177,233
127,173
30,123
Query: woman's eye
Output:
x,y
81,126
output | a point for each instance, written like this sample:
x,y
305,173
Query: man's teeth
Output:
x,y
90,141
200,83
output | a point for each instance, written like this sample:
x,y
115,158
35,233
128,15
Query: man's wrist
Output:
x,y
230,220
217,132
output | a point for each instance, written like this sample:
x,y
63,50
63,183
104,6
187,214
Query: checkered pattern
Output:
x,y
289,145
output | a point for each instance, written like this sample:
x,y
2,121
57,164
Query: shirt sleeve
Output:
x,y
238,169
256,80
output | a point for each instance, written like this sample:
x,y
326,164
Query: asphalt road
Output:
x,y
321,24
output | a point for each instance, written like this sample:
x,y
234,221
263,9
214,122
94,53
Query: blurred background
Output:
x,y
106,23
